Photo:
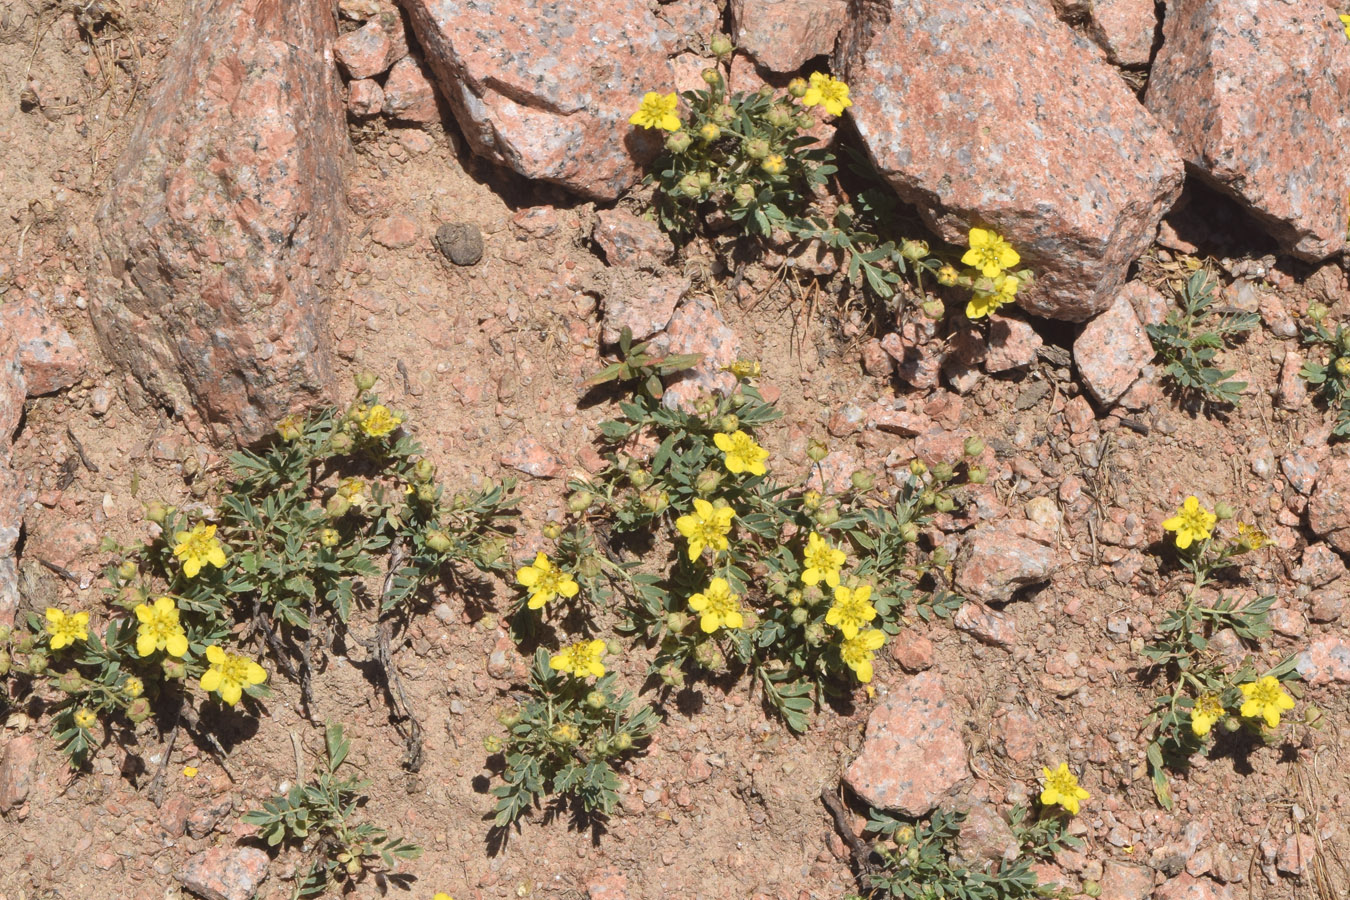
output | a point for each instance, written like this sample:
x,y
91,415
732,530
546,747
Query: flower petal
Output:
x,y
174,646
210,680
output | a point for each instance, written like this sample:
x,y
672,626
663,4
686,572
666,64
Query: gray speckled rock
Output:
x,y
996,114
1256,95
783,35
546,88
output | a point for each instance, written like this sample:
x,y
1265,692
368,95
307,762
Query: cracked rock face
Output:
x,y
1256,96
546,89
223,221
998,115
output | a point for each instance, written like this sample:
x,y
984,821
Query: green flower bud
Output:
x,y
138,710
679,142
917,468
37,663
811,501
765,91
623,741
329,537
777,584
815,634
156,512
492,744
744,194
816,450
909,532
1223,512
977,475
508,718
943,471
24,642
812,594
710,132
795,598
720,45
677,622
340,443
173,668
1092,888
491,551
596,700
672,676
805,120
427,492
711,77
827,516
940,557
70,682
928,497
934,309
4,634
365,381
424,470
914,250
707,481
4,663
800,616
640,478
729,423
127,570
862,480
973,446
1343,366
1317,312
590,566
797,87
338,506
438,540
689,186
944,503
757,148
779,117
655,502
709,656
552,531
580,501
724,113
705,180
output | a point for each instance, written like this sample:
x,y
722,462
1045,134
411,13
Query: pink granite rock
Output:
x,y
963,108
409,95
783,35
1326,660
50,358
224,873
913,753
1329,505
1013,343
1125,29
545,88
365,98
1256,96
18,771
1187,887
995,561
223,221
641,302
1126,881
1111,351
366,52
628,240
698,327
988,626
12,388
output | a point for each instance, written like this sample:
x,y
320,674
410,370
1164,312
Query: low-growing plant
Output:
x,y
569,736
284,562
323,815
1190,338
1204,691
1330,374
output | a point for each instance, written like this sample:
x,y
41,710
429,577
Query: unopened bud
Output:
x,y
707,481
711,77
709,656
677,622
290,428
909,532
37,663
917,468
826,516
138,710
779,117
914,250
815,634
811,501
720,45
590,566
133,687
710,132
492,744
973,446
977,474
640,478
127,570
655,502
813,594
580,501
777,584
1343,366
934,309
329,537
1092,889
4,663
744,194
672,676
338,506
70,682
943,471
1317,311
816,450
944,503
729,423
622,741
800,616
862,480
424,470
679,142
596,700
724,113
1223,512
173,668
156,512
508,718
341,442
940,557
438,540
797,87
552,531
757,148
365,381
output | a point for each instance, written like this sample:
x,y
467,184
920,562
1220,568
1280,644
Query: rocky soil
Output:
x,y
216,211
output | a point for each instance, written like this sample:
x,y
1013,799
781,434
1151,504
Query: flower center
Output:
x,y
1266,694
721,604
548,582
854,653
1062,782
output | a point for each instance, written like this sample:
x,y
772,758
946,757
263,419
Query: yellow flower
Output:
x,y
1250,537
982,303
947,275
710,132
160,628
581,659
1191,523
565,733
851,610
442,895
1207,710
708,526
189,771
379,421
857,652
85,717
65,629
1345,20
989,253
1265,698
198,547
1061,786
742,453
821,561
657,111
545,581
718,607
773,164
828,92
230,674
353,490
133,687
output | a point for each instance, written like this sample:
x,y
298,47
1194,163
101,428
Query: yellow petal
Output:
x,y
54,615
145,644
210,680
231,693
216,557
723,442
254,673
864,671
708,623
174,646
734,620
559,662
528,576
537,600
191,566
215,655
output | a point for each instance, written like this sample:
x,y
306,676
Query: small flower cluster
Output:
x,y
990,260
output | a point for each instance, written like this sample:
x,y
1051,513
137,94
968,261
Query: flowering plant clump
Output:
x,y
1206,696
288,557
544,581
569,736
1330,372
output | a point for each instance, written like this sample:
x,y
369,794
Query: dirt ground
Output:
x,y
725,803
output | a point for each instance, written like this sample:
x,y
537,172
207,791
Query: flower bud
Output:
x,y
943,471
689,187
354,866
707,481
947,276
1343,366
774,164
655,502
438,540
757,148
580,501
710,132
4,663
640,478
862,480
139,710
934,309
133,687
173,668
1092,888
805,120
70,682
913,250
1313,716
800,616
365,381
816,450
552,531
797,87
427,492
1317,311
623,741
672,676
724,113
1223,512
711,77
37,663
811,501
779,117
491,551
341,442
815,634
590,566
679,142
5,632
24,642
720,45
492,744
813,594
794,597
424,470
156,512
977,474
677,622
329,537
826,516
744,194
777,585
290,428
917,468
564,733
940,557
944,503
338,506
127,570
709,656
597,700
704,180
508,718
973,446
909,532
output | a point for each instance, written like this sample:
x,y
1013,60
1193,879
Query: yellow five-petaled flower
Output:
x,y
65,628
1061,786
982,303
160,628
581,659
717,607
657,111
380,421
1265,699
857,652
828,92
1206,710
545,581
742,454
989,253
1191,523
230,674
851,609
821,562
197,548
708,526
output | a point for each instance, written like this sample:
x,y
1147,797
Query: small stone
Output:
x,y
1189,887
989,626
913,652
784,35
202,820
697,326
1292,392
1078,415
994,561
100,400
532,458
50,358
628,240
366,52
1112,350
395,232
875,360
460,242
1296,854
913,753
641,302
1013,343
1122,881
173,815
409,95
1329,506
1019,739
985,837
1328,605
609,884
501,658
224,873
918,361
1300,469
365,98
1326,660
1288,622
18,771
